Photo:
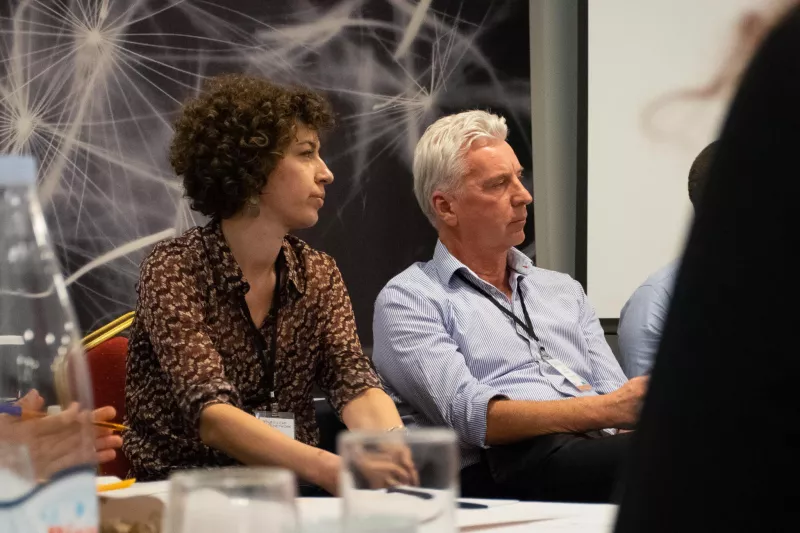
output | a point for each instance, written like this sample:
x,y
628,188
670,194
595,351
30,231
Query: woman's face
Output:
x,y
295,189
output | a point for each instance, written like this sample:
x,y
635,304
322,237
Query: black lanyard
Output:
x,y
527,326
268,360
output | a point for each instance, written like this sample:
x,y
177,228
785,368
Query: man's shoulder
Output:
x,y
422,279
551,278
652,296
665,274
662,280
419,279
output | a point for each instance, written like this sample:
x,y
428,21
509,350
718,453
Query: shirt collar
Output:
x,y
227,272
519,262
447,265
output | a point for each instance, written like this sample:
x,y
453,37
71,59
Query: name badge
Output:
x,y
561,367
283,422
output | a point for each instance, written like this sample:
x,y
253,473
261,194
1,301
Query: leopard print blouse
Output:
x,y
193,345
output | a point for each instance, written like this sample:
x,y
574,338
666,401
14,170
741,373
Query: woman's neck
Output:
x,y
254,243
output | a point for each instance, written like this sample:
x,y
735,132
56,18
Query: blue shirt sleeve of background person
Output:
x,y
642,321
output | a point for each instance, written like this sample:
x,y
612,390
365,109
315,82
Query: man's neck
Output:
x,y
491,265
254,243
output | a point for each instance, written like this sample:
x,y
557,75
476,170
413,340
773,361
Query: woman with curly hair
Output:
x,y
237,320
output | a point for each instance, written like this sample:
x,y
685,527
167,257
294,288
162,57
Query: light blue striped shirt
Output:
x,y
641,321
444,349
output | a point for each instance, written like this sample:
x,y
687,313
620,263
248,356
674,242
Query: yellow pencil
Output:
x,y
111,425
124,484
16,410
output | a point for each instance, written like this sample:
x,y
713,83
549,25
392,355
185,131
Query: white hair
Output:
x,y
439,158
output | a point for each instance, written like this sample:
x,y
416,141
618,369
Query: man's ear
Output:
x,y
443,207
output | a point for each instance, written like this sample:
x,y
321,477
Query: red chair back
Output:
x,y
107,368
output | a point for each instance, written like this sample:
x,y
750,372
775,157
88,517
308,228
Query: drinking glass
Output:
x,y
232,500
17,477
399,481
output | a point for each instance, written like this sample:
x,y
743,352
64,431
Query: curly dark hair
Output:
x,y
229,138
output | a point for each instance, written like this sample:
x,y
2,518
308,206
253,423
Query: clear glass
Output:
x,y
41,358
40,344
232,500
16,471
399,482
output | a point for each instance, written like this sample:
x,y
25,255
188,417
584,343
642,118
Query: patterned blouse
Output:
x,y
193,345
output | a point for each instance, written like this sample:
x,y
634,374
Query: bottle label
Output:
x,y
65,504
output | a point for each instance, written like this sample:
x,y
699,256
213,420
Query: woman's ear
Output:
x,y
251,207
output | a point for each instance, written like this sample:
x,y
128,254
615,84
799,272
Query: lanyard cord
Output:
x,y
527,326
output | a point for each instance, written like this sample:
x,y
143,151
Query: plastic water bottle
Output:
x,y
46,462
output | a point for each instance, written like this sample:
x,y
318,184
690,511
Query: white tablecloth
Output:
x,y
504,516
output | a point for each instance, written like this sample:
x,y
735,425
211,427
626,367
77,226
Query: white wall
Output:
x,y
638,207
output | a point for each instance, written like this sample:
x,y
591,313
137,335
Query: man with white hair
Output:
x,y
510,356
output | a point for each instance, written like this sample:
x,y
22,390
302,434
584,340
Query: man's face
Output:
x,y
489,207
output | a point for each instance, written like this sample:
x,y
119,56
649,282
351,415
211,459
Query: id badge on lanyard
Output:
x,y
562,368
282,421
527,326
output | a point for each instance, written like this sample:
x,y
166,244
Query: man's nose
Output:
x,y
521,195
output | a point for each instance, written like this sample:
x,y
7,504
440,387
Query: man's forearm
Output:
x,y
509,421
372,409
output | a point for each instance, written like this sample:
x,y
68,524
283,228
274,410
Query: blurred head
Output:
x,y
467,180
698,173
248,147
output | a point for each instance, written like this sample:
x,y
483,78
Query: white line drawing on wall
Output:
x,y
90,87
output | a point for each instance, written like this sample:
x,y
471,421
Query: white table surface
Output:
x,y
540,517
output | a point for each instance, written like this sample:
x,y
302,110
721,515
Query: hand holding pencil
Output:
x,y
100,415
106,442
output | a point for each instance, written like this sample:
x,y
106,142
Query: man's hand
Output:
x,y
57,442
106,442
31,401
625,403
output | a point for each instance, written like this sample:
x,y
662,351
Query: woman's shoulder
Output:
x,y
184,250
312,261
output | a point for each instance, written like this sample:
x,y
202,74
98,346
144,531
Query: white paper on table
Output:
x,y
105,480
500,512
140,488
569,518
520,512
587,518
319,509
424,511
